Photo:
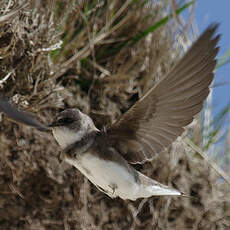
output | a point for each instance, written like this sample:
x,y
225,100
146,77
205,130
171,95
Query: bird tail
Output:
x,y
149,187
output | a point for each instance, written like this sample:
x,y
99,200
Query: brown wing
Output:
x,y
19,116
158,118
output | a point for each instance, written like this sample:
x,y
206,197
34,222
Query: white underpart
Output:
x,y
106,173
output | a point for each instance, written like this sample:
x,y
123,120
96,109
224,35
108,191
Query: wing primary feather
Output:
x,y
160,116
20,116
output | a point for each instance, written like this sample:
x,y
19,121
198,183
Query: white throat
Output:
x,y
65,136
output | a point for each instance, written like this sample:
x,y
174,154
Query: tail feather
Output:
x,y
149,187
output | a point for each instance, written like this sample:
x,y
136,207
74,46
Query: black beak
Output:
x,y
54,124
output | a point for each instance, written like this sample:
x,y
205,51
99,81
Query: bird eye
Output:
x,y
65,121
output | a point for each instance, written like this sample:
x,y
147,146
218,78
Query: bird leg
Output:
x,y
113,187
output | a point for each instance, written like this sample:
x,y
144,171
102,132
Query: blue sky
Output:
x,y
208,11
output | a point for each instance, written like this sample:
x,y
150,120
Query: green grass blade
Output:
x,y
159,23
225,59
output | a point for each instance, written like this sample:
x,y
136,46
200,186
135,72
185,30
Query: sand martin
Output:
x,y
151,125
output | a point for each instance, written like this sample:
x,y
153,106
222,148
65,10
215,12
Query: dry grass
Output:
x,y
57,54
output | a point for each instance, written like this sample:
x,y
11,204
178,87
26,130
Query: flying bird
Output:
x,y
151,125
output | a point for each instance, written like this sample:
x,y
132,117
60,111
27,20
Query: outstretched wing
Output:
x,y
12,112
158,118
